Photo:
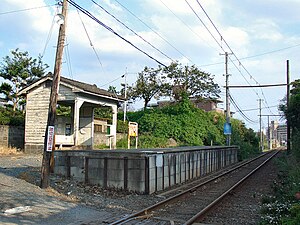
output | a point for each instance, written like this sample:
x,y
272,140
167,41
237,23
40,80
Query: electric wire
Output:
x,y
90,40
217,40
196,14
251,77
28,9
135,33
49,33
68,59
159,35
254,109
241,111
87,13
254,56
111,81
185,24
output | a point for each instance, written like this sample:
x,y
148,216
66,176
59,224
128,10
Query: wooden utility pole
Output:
x,y
288,125
49,134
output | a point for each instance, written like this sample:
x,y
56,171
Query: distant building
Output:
x,y
207,105
277,134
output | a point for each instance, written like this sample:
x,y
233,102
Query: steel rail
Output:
x,y
173,198
217,200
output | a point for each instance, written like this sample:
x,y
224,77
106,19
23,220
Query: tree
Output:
x,y
19,71
292,113
113,90
150,83
191,81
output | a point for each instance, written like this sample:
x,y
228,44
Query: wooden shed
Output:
x,y
78,129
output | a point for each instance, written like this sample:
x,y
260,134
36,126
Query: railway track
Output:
x,y
189,204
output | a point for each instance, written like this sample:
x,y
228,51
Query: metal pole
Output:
x,y
269,134
125,95
260,130
53,98
227,98
288,127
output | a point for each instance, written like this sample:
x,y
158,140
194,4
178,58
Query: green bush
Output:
x,y
148,141
190,126
10,117
122,143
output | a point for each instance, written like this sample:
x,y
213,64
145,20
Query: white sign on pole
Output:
x,y
50,138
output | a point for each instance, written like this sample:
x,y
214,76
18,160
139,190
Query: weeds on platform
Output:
x,y
284,206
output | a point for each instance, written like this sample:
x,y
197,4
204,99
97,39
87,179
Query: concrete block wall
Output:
x,y
12,136
143,171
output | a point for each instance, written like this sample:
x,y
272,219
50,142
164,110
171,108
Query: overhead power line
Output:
x,y
86,12
28,9
90,40
135,33
254,56
185,24
241,111
257,86
255,109
240,64
205,26
159,35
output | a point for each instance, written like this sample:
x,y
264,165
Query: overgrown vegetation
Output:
x,y
10,117
284,206
18,71
189,126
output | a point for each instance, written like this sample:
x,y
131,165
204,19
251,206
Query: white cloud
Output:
x,y
265,29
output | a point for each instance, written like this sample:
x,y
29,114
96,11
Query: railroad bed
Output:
x,y
191,203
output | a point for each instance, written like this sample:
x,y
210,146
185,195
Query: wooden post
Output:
x,y
53,98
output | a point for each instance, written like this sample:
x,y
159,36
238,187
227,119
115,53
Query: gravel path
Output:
x,y
44,206
67,202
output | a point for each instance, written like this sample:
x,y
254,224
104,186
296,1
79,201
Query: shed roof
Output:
x,y
79,87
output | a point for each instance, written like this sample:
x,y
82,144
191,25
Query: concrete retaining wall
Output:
x,y
12,136
143,171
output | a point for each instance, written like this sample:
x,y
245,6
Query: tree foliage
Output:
x,y
191,81
150,83
10,117
18,71
244,137
173,81
292,113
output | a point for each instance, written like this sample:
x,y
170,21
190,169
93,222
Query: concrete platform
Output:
x,y
143,170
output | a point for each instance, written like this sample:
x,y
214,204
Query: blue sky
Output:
x,y
266,33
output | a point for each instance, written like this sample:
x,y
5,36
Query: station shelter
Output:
x,y
76,130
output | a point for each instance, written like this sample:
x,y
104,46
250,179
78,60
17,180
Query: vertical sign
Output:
x,y
133,129
133,132
50,138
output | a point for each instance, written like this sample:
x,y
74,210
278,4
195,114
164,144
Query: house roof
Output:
x,y
77,85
